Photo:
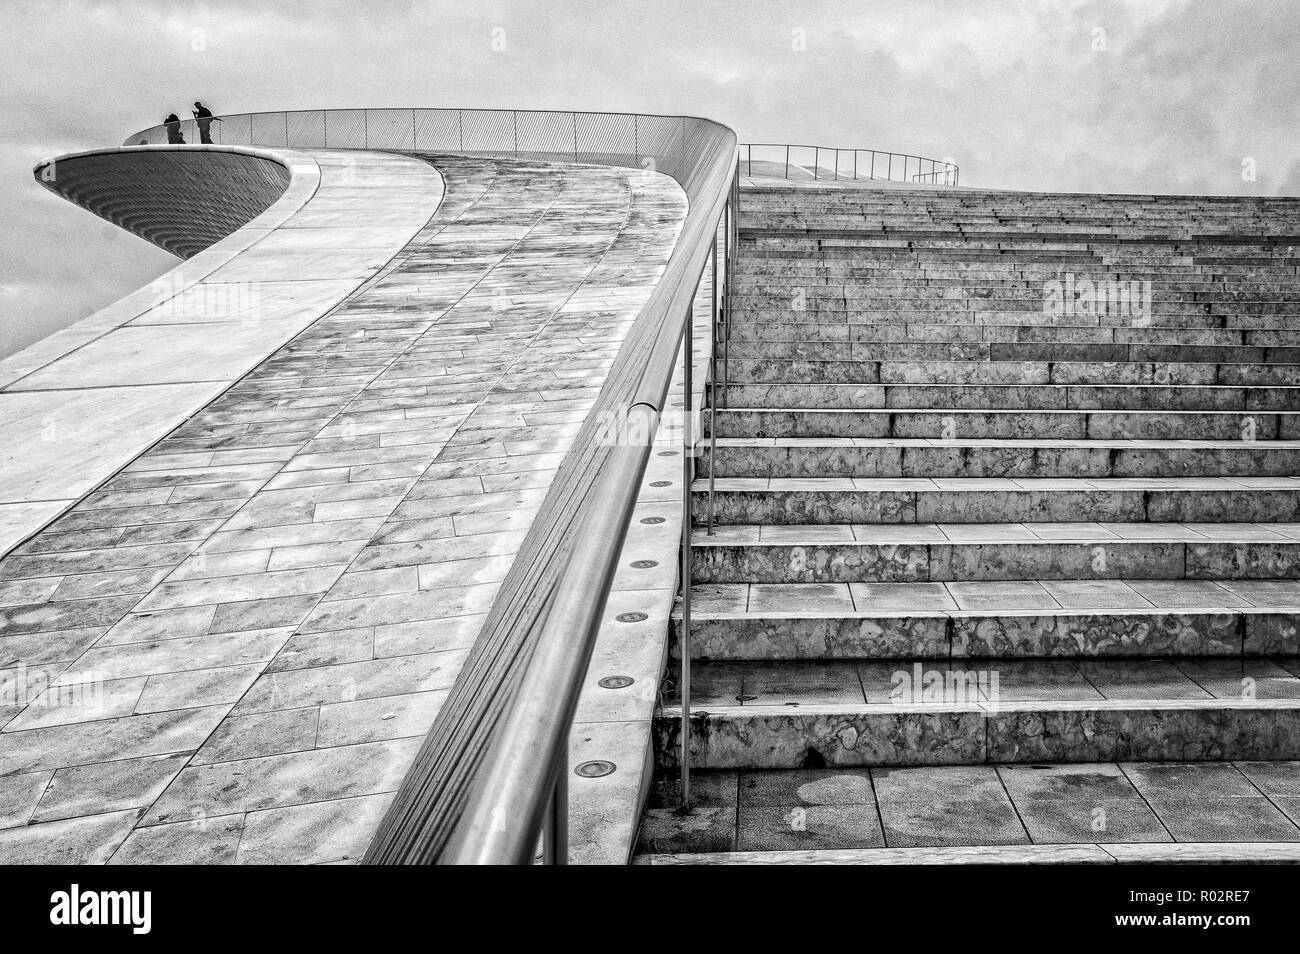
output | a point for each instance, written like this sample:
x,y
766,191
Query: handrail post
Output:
x,y
684,683
787,162
713,374
555,826
726,317
817,155
837,165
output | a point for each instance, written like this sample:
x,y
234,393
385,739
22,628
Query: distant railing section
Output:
x,y
790,161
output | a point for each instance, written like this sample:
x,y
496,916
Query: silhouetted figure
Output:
x,y
173,124
203,116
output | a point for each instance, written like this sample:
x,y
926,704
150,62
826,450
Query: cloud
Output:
x,y
1018,92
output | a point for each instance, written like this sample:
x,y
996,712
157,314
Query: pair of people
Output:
x,y
202,117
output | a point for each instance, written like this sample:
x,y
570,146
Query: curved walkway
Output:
x,y
248,630
78,405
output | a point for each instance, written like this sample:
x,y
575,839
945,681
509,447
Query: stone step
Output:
x,y
945,553
822,280
1078,813
774,254
827,829
919,457
800,299
866,348
923,333
961,318
987,620
832,500
1110,397
790,715
938,423
783,370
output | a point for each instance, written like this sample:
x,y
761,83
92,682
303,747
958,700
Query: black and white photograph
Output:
x,y
651,433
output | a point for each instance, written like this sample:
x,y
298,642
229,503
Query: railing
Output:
x,y
659,143
788,161
518,791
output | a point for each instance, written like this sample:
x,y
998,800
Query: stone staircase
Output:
x,y
1003,482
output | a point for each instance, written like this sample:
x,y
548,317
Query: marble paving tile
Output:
x,y
802,684
19,795
1217,819
107,786
1274,779
1095,594
203,841
278,781
946,806
316,833
1090,820
75,841
1177,594
800,597
137,736
1142,679
997,595
901,597
273,732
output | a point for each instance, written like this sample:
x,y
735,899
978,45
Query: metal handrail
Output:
x,y
866,164
507,810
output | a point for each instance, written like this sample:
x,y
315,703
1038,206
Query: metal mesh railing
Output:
x,y
789,161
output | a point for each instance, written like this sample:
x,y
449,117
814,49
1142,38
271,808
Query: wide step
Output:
x,y
1086,813
922,553
1019,619
909,457
789,715
847,500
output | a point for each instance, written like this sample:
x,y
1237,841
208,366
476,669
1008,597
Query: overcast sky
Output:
x,y
1091,95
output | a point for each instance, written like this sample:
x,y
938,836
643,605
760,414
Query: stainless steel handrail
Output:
x,y
866,164
508,808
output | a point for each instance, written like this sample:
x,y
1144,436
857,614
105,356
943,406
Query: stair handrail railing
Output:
x,y
848,164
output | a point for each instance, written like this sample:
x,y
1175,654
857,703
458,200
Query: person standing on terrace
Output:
x,y
173,124
203,116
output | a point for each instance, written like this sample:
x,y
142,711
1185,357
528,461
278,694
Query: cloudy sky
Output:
x,y
1090,95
